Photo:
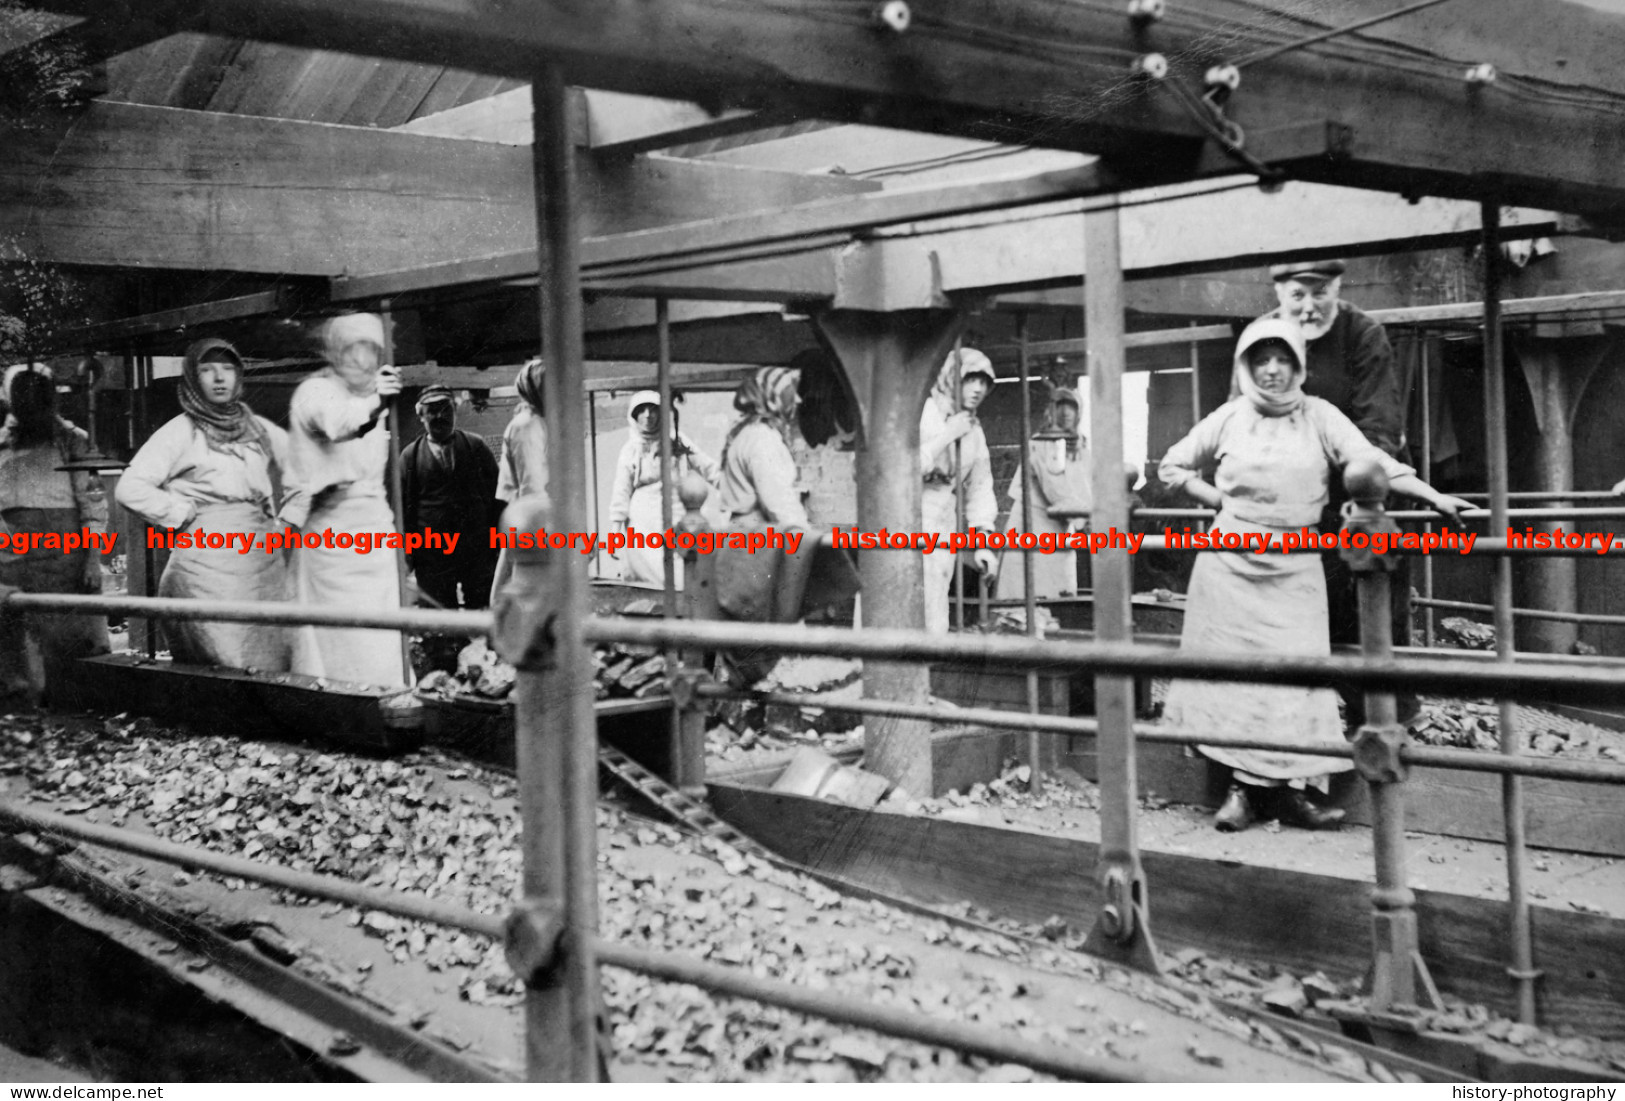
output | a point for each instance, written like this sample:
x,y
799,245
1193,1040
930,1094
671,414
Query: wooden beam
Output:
x,y
623,124
112,335
1034,72
1315,921
1552,306
135,186
687,245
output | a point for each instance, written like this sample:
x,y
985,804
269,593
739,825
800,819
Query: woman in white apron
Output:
x,y
1058,458
215,468
636,502
338,452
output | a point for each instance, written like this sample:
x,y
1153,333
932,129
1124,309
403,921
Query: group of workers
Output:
x,y
1314,388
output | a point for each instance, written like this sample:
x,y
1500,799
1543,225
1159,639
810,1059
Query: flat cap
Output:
x,y
436,393
1308,269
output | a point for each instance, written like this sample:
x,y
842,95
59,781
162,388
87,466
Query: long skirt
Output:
x,y
1263,604
228,574
647,563
37,650
335,577
938,513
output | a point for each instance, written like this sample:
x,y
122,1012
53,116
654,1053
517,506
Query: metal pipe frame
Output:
x,y
844,1009
1522,967
1570,680
556,727
1524,613
1029,600
1461,760
1419,514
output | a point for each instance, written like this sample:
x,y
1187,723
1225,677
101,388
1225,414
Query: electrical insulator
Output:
x,y
1227,77
1146,11
1154,66
894,15
1482,74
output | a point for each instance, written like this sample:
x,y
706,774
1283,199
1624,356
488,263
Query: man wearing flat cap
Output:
x,y
1351,364
449,484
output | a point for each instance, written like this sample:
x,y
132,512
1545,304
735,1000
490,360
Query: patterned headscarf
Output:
x,y
958,367
769,396
226,427
1288,332
529,385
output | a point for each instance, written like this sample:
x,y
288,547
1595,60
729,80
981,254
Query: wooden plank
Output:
x,y
976,69
600,254
1300,921
112,334
625,124
138,186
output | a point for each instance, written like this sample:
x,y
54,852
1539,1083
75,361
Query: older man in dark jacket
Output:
x,y
448,483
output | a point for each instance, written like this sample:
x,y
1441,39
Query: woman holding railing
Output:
x,y
1271,450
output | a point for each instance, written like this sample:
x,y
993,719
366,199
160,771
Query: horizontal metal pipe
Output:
x,y
1483,545
904,1024
1418,514
251,611
307,883
845,1009
1522,681
1549,495
1462,760
1523,613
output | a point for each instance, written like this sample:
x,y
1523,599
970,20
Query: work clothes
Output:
x,y
338,451
452,489
179,481
1061,473
1274,456
636,500
945,466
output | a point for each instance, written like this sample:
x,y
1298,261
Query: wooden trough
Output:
x,y
1300,921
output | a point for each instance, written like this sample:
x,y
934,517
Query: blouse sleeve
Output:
x,y
626,474
89,493
141,488
704,464
981,509
773,473
507,468
294,500
1185,460
1344,442
331,415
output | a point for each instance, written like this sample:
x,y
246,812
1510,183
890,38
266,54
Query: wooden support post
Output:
x,y
890,361
557,725
1521,966
1427,474
1029,600
1122,929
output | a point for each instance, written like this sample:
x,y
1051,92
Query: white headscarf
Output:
x,y
1288,332
353,328
958,367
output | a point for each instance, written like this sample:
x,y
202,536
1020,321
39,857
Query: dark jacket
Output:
x,y
462,499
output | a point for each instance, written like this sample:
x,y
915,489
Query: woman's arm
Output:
x,y
142,488
1182,466
626,475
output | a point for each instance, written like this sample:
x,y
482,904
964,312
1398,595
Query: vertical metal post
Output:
x,y
1427,474
397,502
143,373
1522,968
668,554
1035,740
556,706
687,740
1196,396
1122,930
959,492
1398,973
592,481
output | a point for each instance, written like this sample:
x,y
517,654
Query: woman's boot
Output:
x,y
1237,813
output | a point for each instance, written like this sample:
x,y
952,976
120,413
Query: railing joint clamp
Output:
x,y
1379,750
531,938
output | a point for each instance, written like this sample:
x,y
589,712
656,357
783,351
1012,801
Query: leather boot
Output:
x,y
1237,813
1297,810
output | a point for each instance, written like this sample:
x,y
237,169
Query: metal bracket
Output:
x,y
1122,932
683,683
530,938
1359,519
1377,752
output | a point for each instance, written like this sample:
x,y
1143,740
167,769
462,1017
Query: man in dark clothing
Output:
x,y
448,483
1351,364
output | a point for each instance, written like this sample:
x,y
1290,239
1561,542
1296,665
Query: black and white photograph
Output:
x,y
814,541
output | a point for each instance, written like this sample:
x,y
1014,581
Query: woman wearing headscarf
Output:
x,y
954,456
760,484
215,468
522,467
38,498
1273,449
1058,460
338,451
636,500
